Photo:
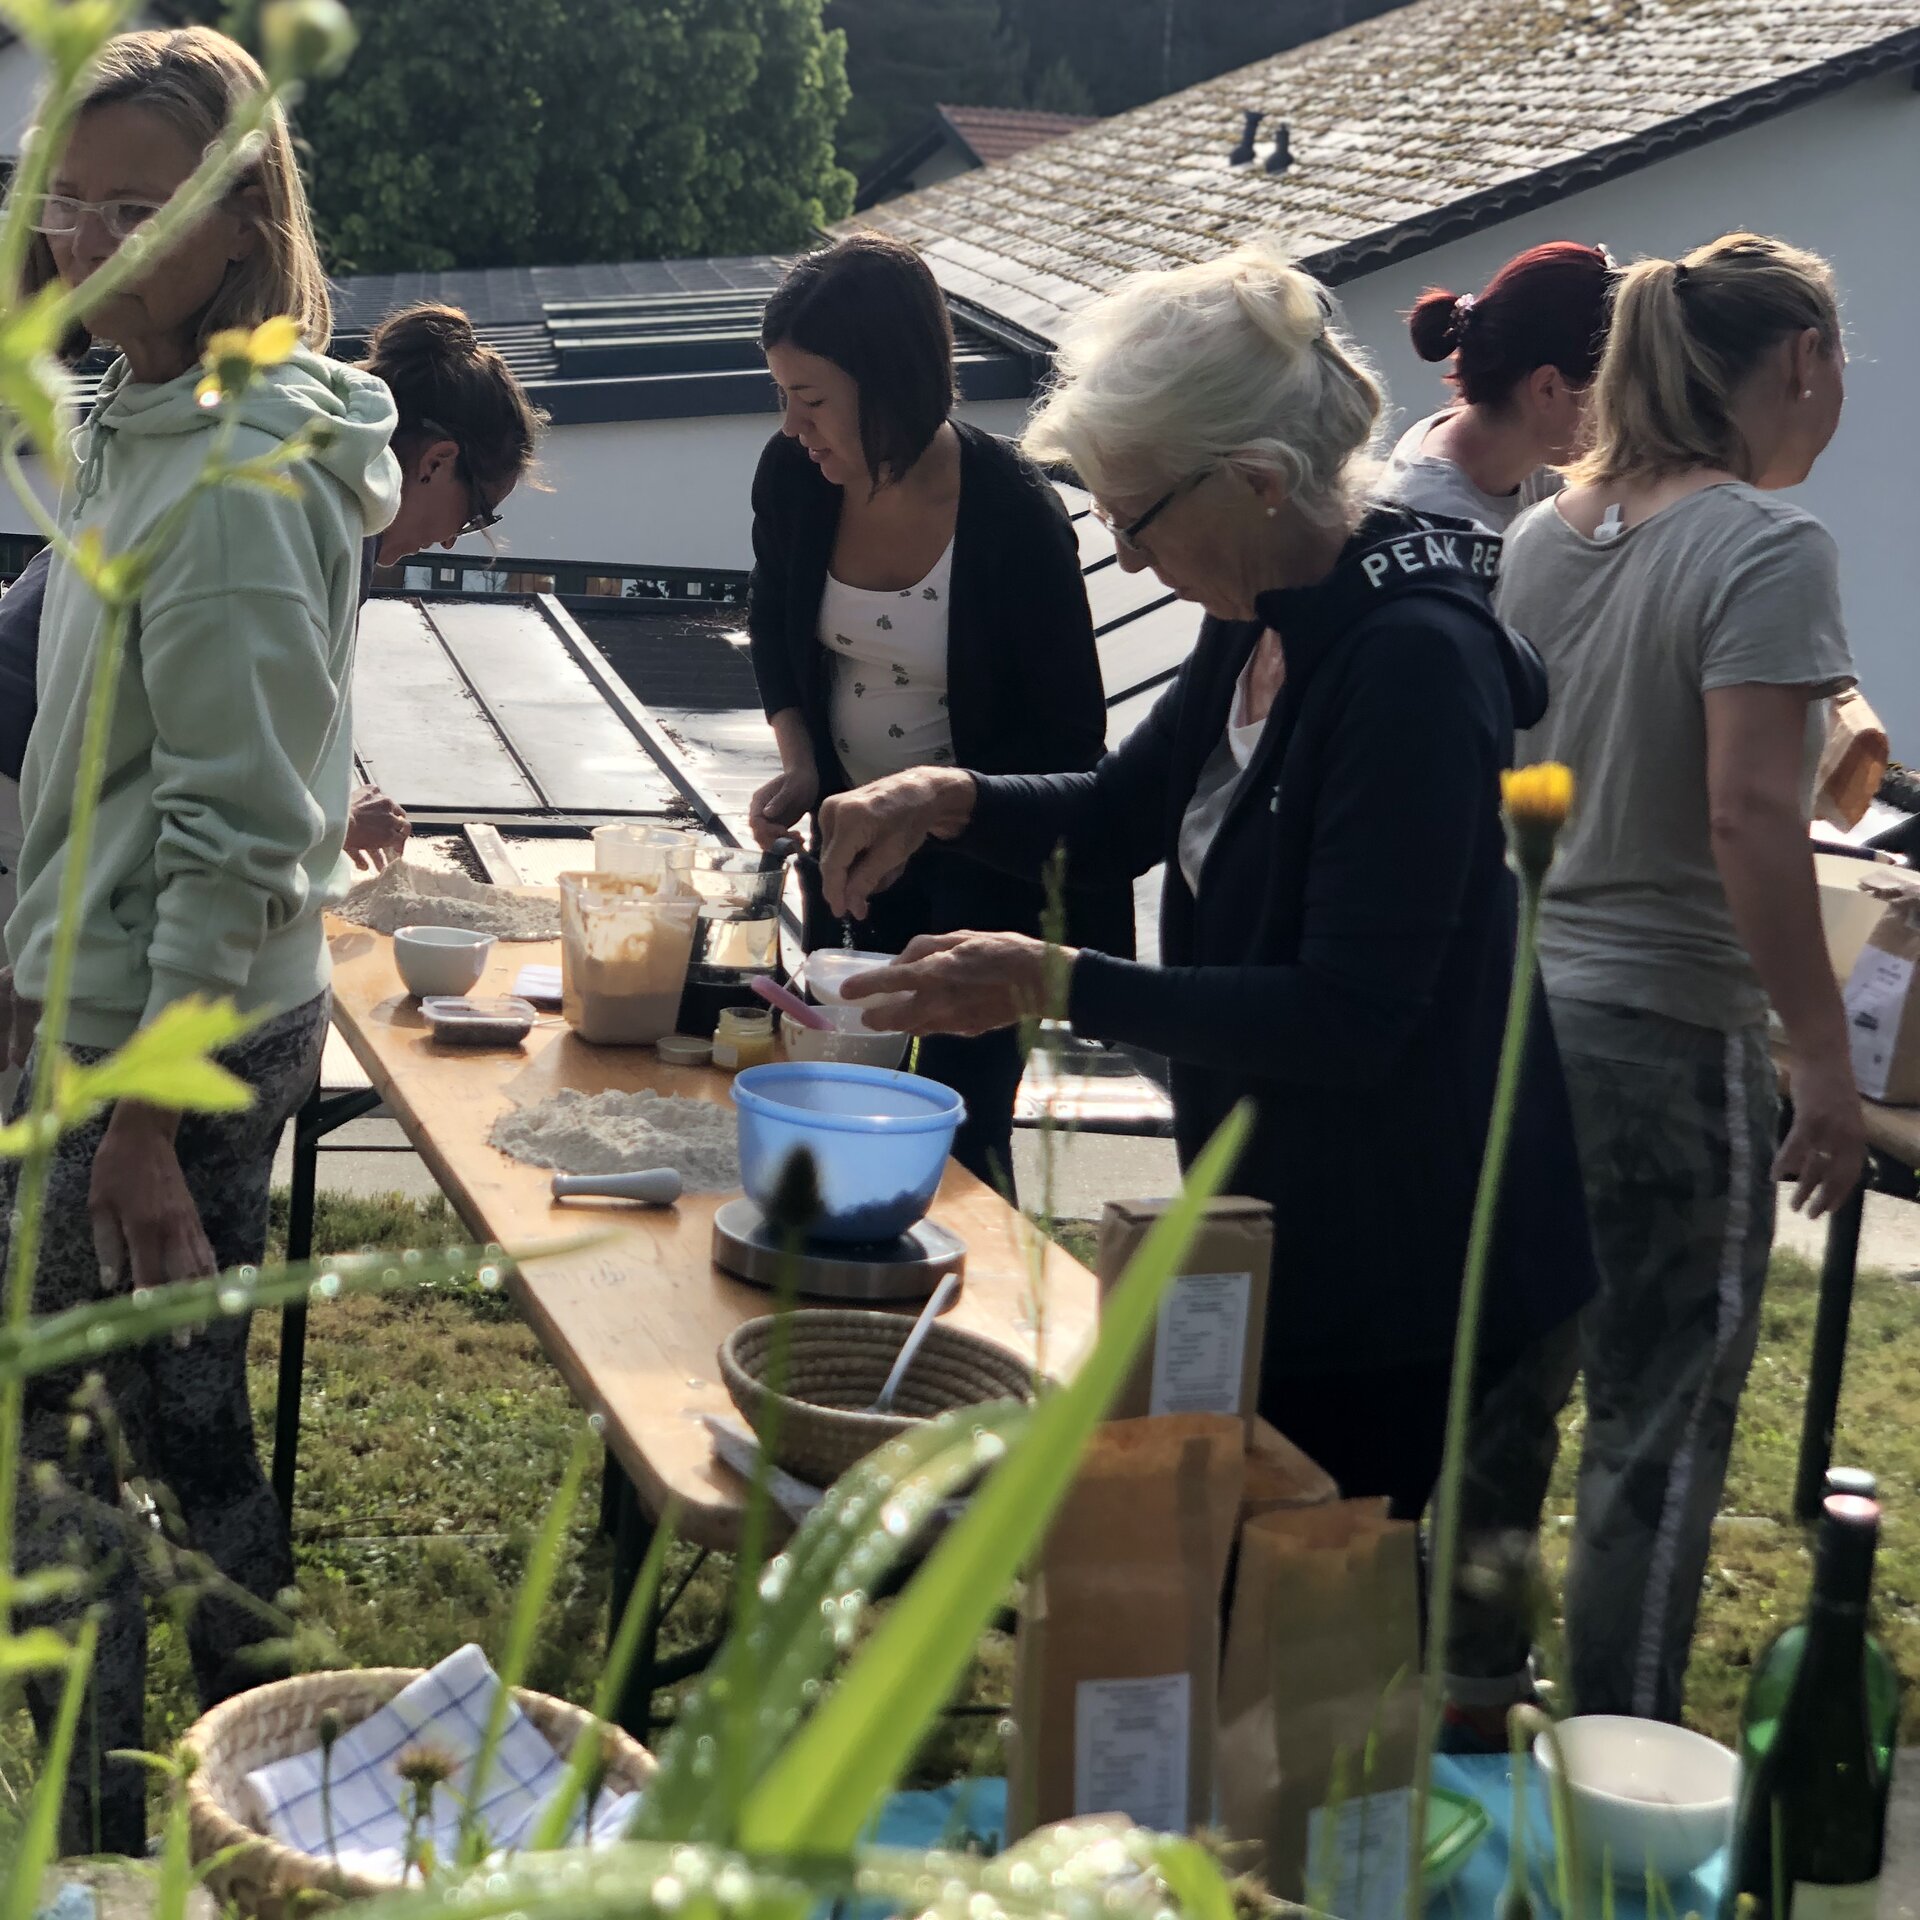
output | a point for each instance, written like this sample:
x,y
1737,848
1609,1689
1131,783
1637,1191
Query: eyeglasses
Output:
x,y
60,214
1129,535
480,514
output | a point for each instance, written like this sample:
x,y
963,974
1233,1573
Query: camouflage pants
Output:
x,y
1676,1128
175,1411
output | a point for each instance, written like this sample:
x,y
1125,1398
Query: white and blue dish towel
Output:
x,y
445,1709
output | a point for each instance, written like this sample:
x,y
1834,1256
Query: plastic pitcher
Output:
x,y
624,947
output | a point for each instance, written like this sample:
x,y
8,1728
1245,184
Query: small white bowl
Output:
x,y
440,960
847,1040
828,970
1646,1795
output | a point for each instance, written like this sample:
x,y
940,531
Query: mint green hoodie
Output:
x,y
230,759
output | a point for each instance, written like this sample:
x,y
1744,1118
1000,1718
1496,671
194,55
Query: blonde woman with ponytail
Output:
x,y
1321,782
1690,621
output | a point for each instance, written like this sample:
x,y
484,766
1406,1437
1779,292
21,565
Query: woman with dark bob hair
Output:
x,y
916,601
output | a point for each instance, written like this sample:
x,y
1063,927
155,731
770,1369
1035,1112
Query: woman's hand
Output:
x,y
1825,1151
868,836
146,1229
963,983
377,830
785,798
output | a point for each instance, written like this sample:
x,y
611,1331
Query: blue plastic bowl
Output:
x,y
879,1141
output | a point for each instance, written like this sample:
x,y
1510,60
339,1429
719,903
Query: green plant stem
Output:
x,y
37,1167
1443,1568
38,1844
536,1588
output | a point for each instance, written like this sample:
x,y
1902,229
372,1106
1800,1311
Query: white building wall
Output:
x,y
20,72
659,492
1838,177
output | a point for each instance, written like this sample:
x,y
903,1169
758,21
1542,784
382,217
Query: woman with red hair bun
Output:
x,y
1523,352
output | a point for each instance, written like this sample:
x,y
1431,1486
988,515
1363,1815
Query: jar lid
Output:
x,y
747,1020
684,1050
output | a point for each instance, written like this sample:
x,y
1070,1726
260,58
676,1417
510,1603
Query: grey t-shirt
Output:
x,y
1431,483
1729,587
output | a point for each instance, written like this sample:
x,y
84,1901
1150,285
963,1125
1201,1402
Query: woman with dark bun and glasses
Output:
x,y
1523,353
916,601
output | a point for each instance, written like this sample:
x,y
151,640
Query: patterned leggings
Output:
x,y
179,1409
1676,1129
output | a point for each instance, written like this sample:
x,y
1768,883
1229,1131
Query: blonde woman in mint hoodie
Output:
x,y
222,817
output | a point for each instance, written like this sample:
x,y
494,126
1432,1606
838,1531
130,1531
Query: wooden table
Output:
x,y
634,1322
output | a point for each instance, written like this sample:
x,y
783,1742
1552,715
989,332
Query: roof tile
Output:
x,y
1394,122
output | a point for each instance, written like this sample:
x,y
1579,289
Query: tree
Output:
x,y
905,57
473,133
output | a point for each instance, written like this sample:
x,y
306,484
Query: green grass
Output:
x,y
433,1435
435,1431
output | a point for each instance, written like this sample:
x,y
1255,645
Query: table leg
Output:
x,y
315,1120
1829,1353
632,1536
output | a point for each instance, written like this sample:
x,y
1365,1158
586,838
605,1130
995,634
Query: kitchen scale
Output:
x,y
905,1268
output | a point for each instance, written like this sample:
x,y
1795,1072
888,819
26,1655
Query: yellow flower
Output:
x,y
1541,796
1536,802
234,356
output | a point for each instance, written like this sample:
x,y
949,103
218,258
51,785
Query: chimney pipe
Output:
x,y
1242,155
1281,158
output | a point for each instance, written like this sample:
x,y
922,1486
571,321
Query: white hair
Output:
x,y
1236,362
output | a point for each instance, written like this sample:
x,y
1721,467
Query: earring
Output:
x,y
1273,513
1806,393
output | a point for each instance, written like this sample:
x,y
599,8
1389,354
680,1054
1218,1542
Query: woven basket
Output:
x,y
273,1882
836,1363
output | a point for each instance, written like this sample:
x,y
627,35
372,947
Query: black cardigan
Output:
x,y
1347,959
1023,680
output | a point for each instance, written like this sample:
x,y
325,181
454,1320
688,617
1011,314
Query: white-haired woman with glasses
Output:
x,y
1322,781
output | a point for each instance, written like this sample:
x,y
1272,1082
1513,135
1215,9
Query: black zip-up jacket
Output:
x,y
1023,679
1346,960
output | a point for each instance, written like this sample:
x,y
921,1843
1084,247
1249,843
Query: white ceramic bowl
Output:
x,y
440,960
829,969
1645,1794
847,1040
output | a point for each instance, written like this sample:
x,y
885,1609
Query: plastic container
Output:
x,y
828,969
641,851
684,1050
879,1142
461,1022
847,1039
743,1038
623,957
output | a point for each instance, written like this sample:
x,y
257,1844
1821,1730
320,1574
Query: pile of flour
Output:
x,y
626,1133
406,896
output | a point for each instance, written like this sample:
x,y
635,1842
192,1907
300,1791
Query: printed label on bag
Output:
x,y
1875,998
1200,1348
1130,1744
1357,1856
1857,1902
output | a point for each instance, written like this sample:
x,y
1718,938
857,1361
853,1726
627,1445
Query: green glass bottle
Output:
x,y
1817,1739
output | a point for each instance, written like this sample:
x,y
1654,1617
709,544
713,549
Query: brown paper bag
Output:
x,y
1852,763
1205,1352
1882,1000
1320,1701
1119,1651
